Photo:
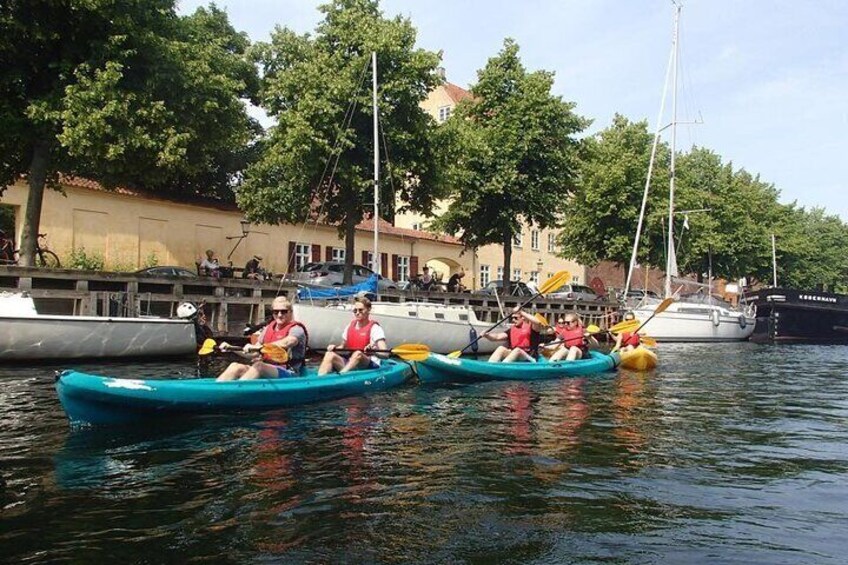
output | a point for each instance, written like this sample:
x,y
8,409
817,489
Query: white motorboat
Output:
x,y
441,327
27,335
696,317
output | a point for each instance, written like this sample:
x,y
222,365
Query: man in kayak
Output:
x,y
281,333
573,338
626,341
363,339
523,338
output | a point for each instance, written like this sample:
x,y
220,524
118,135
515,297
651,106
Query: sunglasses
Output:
x,y
560,322
571,321
283,311
356,310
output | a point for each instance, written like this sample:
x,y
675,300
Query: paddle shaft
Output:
x,y
499,322
660,309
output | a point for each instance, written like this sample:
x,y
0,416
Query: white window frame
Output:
x,y
302,255
534,276
534,240
370,262
444,113
551,242
485,273
518,240
338,254
403,268
500,273
516,274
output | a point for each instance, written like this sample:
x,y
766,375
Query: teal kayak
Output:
x,y
96,399
441,368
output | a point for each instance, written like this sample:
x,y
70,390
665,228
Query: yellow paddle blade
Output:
x,y
455,354
593,329
663,306
556,281
207,347
649,341
542,320
275,353
411,351
625,326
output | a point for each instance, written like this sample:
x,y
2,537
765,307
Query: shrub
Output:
x,y
84,261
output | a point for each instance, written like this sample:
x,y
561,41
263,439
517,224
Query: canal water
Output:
x,y
725,454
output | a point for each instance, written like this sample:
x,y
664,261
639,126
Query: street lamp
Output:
x,y
245,231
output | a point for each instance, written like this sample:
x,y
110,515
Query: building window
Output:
x,y
417,226
484,275
338,254
534,276
516,274
550,275
575,279
370,263
500,274
517,240
302,255
444,113
551,243
403,268
534,240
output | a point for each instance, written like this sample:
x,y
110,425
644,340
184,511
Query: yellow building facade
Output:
x,y
129,230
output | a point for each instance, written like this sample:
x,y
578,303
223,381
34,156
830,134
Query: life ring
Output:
x,y
742,321
714,316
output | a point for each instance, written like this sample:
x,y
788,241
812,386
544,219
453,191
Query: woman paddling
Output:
x,y
574,337
523,338
626,341
364,336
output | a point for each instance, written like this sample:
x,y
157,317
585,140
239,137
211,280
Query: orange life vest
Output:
x,y
572,337
359,338
519,336
628,338
270,334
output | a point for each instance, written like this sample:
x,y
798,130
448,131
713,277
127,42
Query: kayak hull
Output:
x,y
96,399
441,368
639,359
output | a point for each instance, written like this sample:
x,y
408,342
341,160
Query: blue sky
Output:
x,y
769,78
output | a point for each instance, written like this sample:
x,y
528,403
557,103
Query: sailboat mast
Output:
x,y
671,260
376,263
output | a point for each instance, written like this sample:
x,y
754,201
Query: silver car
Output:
x,y
331,273
575,292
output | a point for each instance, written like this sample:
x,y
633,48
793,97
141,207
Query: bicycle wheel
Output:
x,y
46,258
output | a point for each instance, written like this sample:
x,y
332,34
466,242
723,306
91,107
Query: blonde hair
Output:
x,y
281,302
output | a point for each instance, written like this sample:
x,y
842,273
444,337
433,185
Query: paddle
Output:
x,y
273,352
625,326
663,306
406,351
553,283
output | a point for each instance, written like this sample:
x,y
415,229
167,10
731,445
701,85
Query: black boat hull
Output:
x,y
793,316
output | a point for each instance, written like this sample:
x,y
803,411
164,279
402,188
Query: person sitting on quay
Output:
x,y
362,337
426,279
455,281
283,333
209,266
252,270
626,341
574,339
523,337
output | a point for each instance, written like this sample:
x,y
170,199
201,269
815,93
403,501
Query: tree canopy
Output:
x,y
123,93
513,154
320,153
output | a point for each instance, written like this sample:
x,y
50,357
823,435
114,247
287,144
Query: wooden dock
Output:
x,y
231,304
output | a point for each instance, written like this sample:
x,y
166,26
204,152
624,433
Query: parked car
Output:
x,y
167,271
517,288
570,291
331,273
636,294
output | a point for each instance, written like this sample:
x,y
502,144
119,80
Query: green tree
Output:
x,y
123,93
319,156
599,222
513,157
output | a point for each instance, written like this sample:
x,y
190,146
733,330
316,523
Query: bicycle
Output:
x,y
43,256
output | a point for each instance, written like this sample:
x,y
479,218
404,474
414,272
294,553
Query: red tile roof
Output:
x,y
456,93
387,228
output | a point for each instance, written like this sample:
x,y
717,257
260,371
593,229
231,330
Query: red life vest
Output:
x,y
270,334
359,338
572,337
519,336
628,338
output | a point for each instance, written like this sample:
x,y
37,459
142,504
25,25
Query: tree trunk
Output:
x,y
507,251
350,239
37,178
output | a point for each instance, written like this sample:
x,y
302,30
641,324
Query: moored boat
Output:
x,y
441,368
28,335
96,399
638,359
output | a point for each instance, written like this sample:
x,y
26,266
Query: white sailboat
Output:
x,y
693,318
441,327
